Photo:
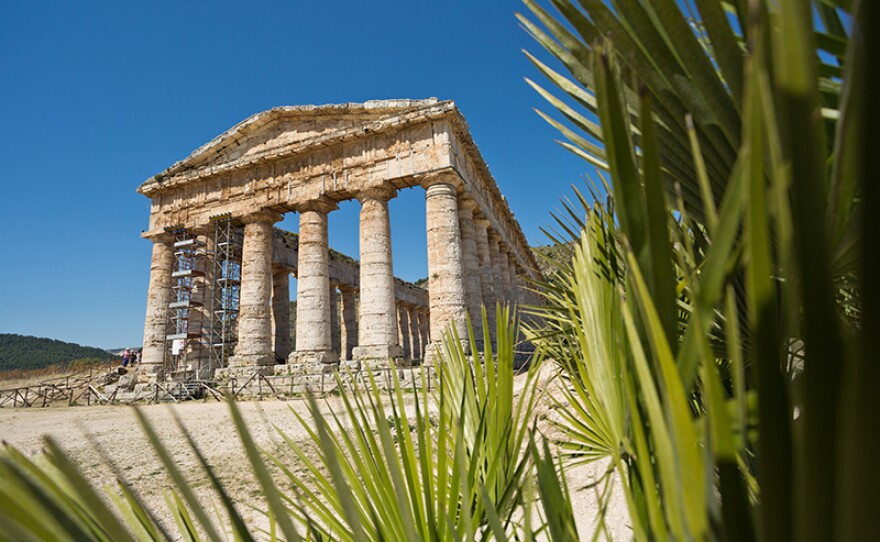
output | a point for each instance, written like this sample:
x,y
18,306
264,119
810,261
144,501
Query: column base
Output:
x,y
313,357
314,362
149,373
380,355
251,360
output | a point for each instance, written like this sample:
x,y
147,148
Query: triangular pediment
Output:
x,y
275,130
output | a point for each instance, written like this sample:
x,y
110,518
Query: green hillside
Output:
x,y
26,352
545,254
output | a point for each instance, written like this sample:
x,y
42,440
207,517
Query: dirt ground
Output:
x,y
94,435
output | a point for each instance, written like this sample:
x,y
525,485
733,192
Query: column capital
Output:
x,y
321,204
441,189
161,237
377,193
468,203
494,237
447,176
481,221
264,216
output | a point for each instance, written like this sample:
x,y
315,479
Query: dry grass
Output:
x,y
19,378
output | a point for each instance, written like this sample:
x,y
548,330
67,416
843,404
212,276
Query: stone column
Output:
x,y
254,346
377,325
497,273
473,289
445,274
520,287
314,344
504,262
349,324
403,326
424,331
281,313
487,275
413,331
397,307
335,330
158,297
512,278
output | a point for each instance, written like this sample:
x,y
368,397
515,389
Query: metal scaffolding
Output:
x,y
225,269
183,344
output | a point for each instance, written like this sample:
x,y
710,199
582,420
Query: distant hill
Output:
x,y
554,253
26,352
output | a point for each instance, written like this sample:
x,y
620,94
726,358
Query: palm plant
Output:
x,y
448,467
731,133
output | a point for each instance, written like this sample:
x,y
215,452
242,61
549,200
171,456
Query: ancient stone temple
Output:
x,y
219,278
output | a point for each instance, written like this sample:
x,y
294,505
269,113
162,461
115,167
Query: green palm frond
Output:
x,y
732,117
422,466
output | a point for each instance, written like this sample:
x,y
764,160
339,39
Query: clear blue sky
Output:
x,y
99,96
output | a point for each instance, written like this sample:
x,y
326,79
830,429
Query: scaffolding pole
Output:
x,y
225,290
184,342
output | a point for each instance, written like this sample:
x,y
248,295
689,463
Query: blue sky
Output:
x,y
99,96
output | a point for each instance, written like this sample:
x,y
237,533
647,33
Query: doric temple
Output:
x,y
219,297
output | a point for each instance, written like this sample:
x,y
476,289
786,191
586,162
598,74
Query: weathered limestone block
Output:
x,y
284,250
473,289
413,331
377,325
445,280
281,314
410,294
487,278
313,308
254,346
349,366
158,298
349,324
